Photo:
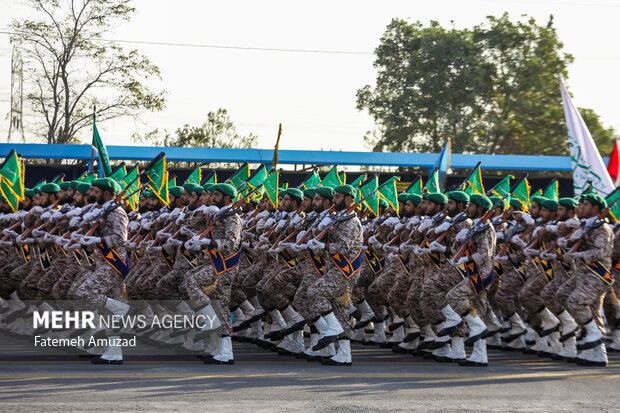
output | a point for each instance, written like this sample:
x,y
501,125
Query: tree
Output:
x,y
491,89
218,131
72,67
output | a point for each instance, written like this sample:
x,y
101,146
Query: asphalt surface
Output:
x,y
261,381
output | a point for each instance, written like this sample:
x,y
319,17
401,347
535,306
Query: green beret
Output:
x,y
538,199
495,199
346,190
83,187
74,184
459,196
438,198
189,187
515,203
29,193
325,191
481,200
583,197
177,191
37,190
309,192
147,193
569,203
596,199
414,198
425,195
198,189
226,189
64,185
107,184
295,193
50,188
383,204
550,204
209,187
402,198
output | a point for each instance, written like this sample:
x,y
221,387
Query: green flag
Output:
x,y
474,182
503,187
12,174
343,178
211,178
372,202
614,210
356,184
257,178
90,178
120,173
41,183
313,180
552,190
522,193
102,153
172,181
195,177
432,185
82,177
133,188
271,187
157,177
332,179
388,191
240,176
415,187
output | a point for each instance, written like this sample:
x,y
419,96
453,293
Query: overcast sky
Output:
x,y
313,94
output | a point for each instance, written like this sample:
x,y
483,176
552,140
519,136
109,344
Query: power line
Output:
x,y
213,46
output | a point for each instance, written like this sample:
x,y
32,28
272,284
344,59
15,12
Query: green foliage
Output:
x,y
70,67
491,89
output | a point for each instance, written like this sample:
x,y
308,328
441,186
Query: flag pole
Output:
x,y
92,150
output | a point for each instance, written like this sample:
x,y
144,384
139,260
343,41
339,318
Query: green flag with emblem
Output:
x,y
120,173
415,187
271,185
133,188
432,185
356,184
522,193
157,180
503,187
195,177
474,182
12,174
240,176
388,191
552,190
312,181
614,210
372,202
332,179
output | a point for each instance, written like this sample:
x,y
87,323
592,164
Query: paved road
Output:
x,y
262,381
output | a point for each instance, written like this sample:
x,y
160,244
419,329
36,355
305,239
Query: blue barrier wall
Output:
x,y
425,160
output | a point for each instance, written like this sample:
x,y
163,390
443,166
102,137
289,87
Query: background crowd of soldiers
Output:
x,y
309,273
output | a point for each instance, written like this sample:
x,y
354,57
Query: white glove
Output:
x,y
316,245
146,225
442,228
415,250
525,217
398,227
536,232
389,248
576,235
462,235
163,235
324,223
6,244
517,240
46,215
548,256
186,231
174,242
296,220
562,242
36,210
151,249
269,223
281,225
501,259
573,223
391,221
287,245
574,255
174,214
531,252
301,247
275,251
180,220
204,241
9,232
423,251
499,236
134,226
263,239
23,241
248,235
130,245
50,238
404,248
426,224
38,233
163,217
552,228
245,245
300,236
89,240
193,246
435,246
461,261
212,210
56,216
73,247
89,216
75,212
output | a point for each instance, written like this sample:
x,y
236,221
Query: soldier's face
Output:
x,y
78,199
92,194
26,204
535,210
289,204
204,198
589,210
338,201
579,210
45,200
452,207
280,204
472,211
318,203
185,197
545,214
562,213
307,204
193,201
409,209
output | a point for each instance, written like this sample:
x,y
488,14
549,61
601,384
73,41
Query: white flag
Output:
x,y
587,164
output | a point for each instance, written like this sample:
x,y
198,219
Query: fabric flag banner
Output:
x,y
41,183
416,187
82,177
356,184
102,153
195,177
257,178
240,176
522,193
552,190
614,210
133,199
372,202
432,185
120,173
474,182
157,177
586,161
12,173
58,179
312,181
343,178
613,167
172,181
443,163
503,187
388,191
211,178
271,185
332,179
